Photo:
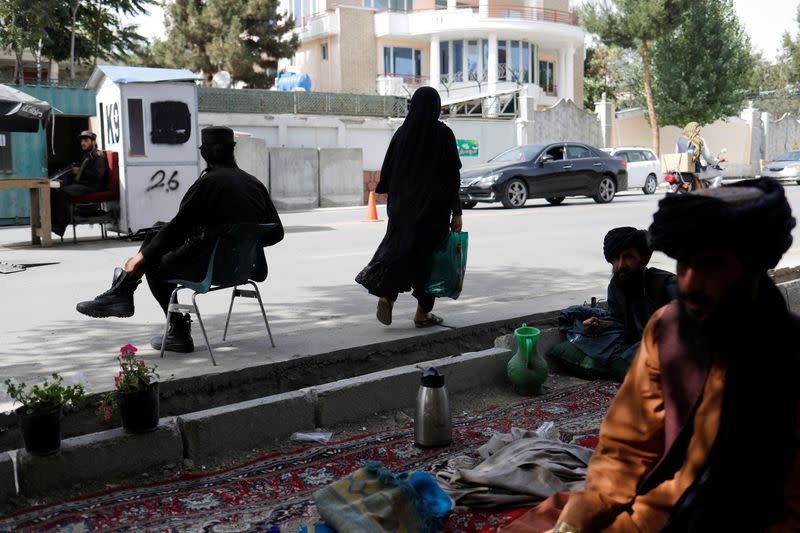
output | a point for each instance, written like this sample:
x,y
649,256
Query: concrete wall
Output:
x,y
493,136
252,156
782,135
565,121
294,178
341,178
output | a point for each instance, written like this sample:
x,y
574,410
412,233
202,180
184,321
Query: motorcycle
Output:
x,y
710,177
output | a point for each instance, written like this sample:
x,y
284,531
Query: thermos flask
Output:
x,y
432,425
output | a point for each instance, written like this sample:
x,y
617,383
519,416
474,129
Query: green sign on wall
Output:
x,y
467,147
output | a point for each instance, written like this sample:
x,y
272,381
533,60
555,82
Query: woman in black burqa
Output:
x,y
420,174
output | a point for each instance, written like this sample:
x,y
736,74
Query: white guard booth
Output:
x,y
149,117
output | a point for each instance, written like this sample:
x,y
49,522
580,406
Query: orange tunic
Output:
x,y
631,444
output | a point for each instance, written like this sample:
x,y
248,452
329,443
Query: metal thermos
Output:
x,y
432,425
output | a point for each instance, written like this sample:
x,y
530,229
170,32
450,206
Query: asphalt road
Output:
x,y
538,258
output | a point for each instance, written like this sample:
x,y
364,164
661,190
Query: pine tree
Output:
x,y
702,67
244,37
635,24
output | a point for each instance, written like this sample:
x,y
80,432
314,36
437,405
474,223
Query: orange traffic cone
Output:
x,y
372,209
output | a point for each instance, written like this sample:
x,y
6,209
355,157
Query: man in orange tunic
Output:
x,y
704,432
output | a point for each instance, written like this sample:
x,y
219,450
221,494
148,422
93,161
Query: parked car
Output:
x,y
551,171
784,167
644,167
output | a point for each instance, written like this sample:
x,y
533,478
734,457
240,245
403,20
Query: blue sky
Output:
x,y
764,20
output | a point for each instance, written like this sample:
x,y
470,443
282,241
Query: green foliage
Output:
x,y
791,54
25,25
48,395
626,23
703,66
615,71
244,37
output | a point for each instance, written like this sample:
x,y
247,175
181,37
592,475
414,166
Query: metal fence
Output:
x,y
276,102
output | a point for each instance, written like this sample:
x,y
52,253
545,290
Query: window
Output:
x,y
402,61
324,51
441,4
472,59
172,123
557,152
6,165
501,60
635,157
547,77
515,64
393,5
648,155
458,61
136,126
578,152
526,63
444,59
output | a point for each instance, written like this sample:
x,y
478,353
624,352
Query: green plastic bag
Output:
x,y
449,266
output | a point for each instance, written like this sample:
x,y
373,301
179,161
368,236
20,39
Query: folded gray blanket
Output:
x,y
519,468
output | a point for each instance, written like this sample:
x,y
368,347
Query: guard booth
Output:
x,y
149,117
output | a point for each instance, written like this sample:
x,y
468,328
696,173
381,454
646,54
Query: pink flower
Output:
x,y
128,348
107,416
141,362
116,380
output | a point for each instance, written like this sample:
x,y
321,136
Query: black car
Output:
x,y
550,171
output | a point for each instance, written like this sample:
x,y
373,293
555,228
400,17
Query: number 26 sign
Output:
x,y
160,181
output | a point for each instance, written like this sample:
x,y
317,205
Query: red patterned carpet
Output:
x,y
277,488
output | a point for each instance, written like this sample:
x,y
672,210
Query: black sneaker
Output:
x,y
116,301
179,335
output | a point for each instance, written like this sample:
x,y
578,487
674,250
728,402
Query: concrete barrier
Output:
x,y
791,291
294,177
341,178
245,425
354,398
252,156
8,486
104,456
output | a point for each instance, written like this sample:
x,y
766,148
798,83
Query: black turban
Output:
x,y
752,219
620,239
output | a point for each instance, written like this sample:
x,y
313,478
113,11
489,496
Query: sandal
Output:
x,y
432,320
384,313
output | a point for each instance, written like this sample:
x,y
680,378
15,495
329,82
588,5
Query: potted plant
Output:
x,y
40,411
136,394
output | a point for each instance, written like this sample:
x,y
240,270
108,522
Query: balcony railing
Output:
x,y
402,85
505,11
515,11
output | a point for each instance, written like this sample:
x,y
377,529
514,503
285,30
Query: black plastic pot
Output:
x,y
139,409
41,430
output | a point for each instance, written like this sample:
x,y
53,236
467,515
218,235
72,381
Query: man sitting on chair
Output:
x,y
89,177
222,196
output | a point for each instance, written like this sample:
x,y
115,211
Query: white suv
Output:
x,y
644,167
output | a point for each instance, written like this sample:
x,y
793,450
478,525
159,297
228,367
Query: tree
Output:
x,y
634,24
703,66
24,25
791,54
614,71
244,37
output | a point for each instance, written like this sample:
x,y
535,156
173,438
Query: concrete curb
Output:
x,y
103,456
8,485
245,425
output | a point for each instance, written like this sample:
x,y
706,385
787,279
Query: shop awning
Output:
x,y
20,111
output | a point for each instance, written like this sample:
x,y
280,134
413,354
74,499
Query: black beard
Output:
x,y
630,282
719,330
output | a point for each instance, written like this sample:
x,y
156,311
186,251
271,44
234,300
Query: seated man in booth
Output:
x,y
91,175
223,195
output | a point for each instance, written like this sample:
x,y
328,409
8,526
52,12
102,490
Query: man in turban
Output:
x,y
602,343
703,434
223,195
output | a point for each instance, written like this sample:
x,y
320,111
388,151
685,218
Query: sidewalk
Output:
x,y
42,333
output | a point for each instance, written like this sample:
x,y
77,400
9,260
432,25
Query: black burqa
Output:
x,y
420,174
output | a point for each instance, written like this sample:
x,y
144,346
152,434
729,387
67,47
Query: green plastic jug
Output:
x,y
527,370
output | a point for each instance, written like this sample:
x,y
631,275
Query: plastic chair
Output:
x,y
236,260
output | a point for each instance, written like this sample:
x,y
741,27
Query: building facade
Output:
x,y
466,50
